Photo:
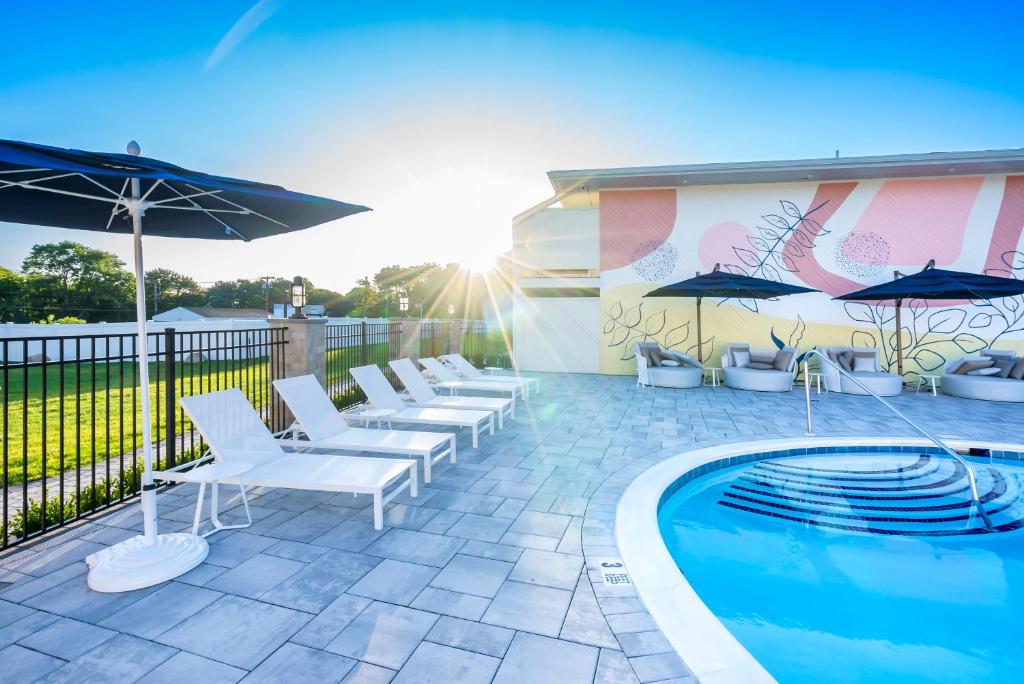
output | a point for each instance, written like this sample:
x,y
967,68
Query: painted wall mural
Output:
x,y
834,237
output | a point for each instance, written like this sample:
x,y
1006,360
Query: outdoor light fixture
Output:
x,y
403,302
298,298
451,310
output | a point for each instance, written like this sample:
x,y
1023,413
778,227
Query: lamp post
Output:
x,y
451,311
298,298
403,303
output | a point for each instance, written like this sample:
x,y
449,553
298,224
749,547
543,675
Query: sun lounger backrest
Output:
x,y
468,370
443,372
413,381
311,406
231,427
377,388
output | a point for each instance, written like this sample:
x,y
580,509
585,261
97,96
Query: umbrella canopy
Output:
x,y
725,285
51,186
935,283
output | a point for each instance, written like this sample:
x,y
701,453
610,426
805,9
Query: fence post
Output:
x,y
170,405
364,345
410,340
305,354
455,337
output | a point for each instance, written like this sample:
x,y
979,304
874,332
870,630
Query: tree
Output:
x,y
12,291
70,278
166,289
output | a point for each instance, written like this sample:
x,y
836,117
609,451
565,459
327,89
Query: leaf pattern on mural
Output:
x,y
771,251
624,327
933,337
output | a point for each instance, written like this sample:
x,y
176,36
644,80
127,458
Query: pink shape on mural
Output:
x,y
829,197
1009,224
717,242
921,219
629,219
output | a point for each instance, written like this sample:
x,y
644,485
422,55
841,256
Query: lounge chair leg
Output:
x,y
476,436
199,508
492,423
414,487
452,448
426,468
378,510
501,419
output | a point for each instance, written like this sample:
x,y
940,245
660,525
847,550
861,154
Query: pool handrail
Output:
x,y
925,433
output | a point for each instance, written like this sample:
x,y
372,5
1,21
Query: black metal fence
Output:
x,y
486,345
71,414
359,344
435,338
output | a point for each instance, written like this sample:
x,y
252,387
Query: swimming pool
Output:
x,y
865,566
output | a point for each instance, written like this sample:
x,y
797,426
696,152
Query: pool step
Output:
x,y
891,494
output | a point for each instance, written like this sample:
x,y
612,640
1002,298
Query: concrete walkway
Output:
x,y
490,575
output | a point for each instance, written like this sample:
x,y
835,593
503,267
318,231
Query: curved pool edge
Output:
x,y
709,650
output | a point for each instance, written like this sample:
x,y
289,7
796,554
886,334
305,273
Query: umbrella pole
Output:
x,y
700,342
899,338
142,346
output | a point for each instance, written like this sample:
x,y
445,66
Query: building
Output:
x,y
205,313
587,255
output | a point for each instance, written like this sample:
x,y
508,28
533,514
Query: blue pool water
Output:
x,y
859,567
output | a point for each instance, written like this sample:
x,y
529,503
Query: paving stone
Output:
x,y
492,551
471,636
384,635
644,643
295,663
395,582
298,551
29,587
66,639
451,603
314,587
122,658
614,668
23,665
632,622
465,503
12,612
416,547
473,575
480,527
234,549
30,624
530,541
350,536
550,569
75,599
442,522
319,631
540,660
542,524
365,673
529,607
434,663
236,631
201,574
255,576
164,608
310,524
654,668
188,667
584,621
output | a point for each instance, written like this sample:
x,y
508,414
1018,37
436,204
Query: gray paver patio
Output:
x,y
480,578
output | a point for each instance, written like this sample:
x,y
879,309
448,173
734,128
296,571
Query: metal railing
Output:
x,y
822,359
71,419
485,345
435,338
359,344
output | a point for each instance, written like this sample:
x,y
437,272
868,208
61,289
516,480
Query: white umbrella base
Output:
x,y
133,564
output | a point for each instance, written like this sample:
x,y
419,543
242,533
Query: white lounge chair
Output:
x,y
451,381
423,395
470,372
383,396
235,434
323,427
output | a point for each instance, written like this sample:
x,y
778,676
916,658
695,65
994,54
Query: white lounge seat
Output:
x,y
323,427
451,381
470,372
423,395
235,434
984,387
681,376
757,379
382,395
868,372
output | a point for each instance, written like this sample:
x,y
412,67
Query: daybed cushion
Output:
x,y
1004,364
968,365
740,357
760,365
1017,372
991,370
669,363
783,360
863,364
762,356
985,388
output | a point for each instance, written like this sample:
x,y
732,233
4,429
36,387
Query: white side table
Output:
x,y
213,474
815,377
923,380
713,375
380,415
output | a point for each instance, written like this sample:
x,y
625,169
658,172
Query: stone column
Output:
x,y
305,354
410,342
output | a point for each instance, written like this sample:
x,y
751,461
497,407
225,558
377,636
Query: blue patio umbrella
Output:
x,y
131,194
725,285
935,283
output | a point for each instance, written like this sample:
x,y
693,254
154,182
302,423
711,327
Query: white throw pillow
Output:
x,y
669,363
740,358
863,364
992,370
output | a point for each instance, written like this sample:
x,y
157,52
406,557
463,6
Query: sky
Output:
x,y
444,117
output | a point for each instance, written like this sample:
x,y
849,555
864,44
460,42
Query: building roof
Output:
x,y
211,312
585,181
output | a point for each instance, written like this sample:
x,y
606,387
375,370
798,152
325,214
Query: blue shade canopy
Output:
x,y
727,285
936,283
53,186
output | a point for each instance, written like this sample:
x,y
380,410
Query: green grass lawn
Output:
x,y
102,407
